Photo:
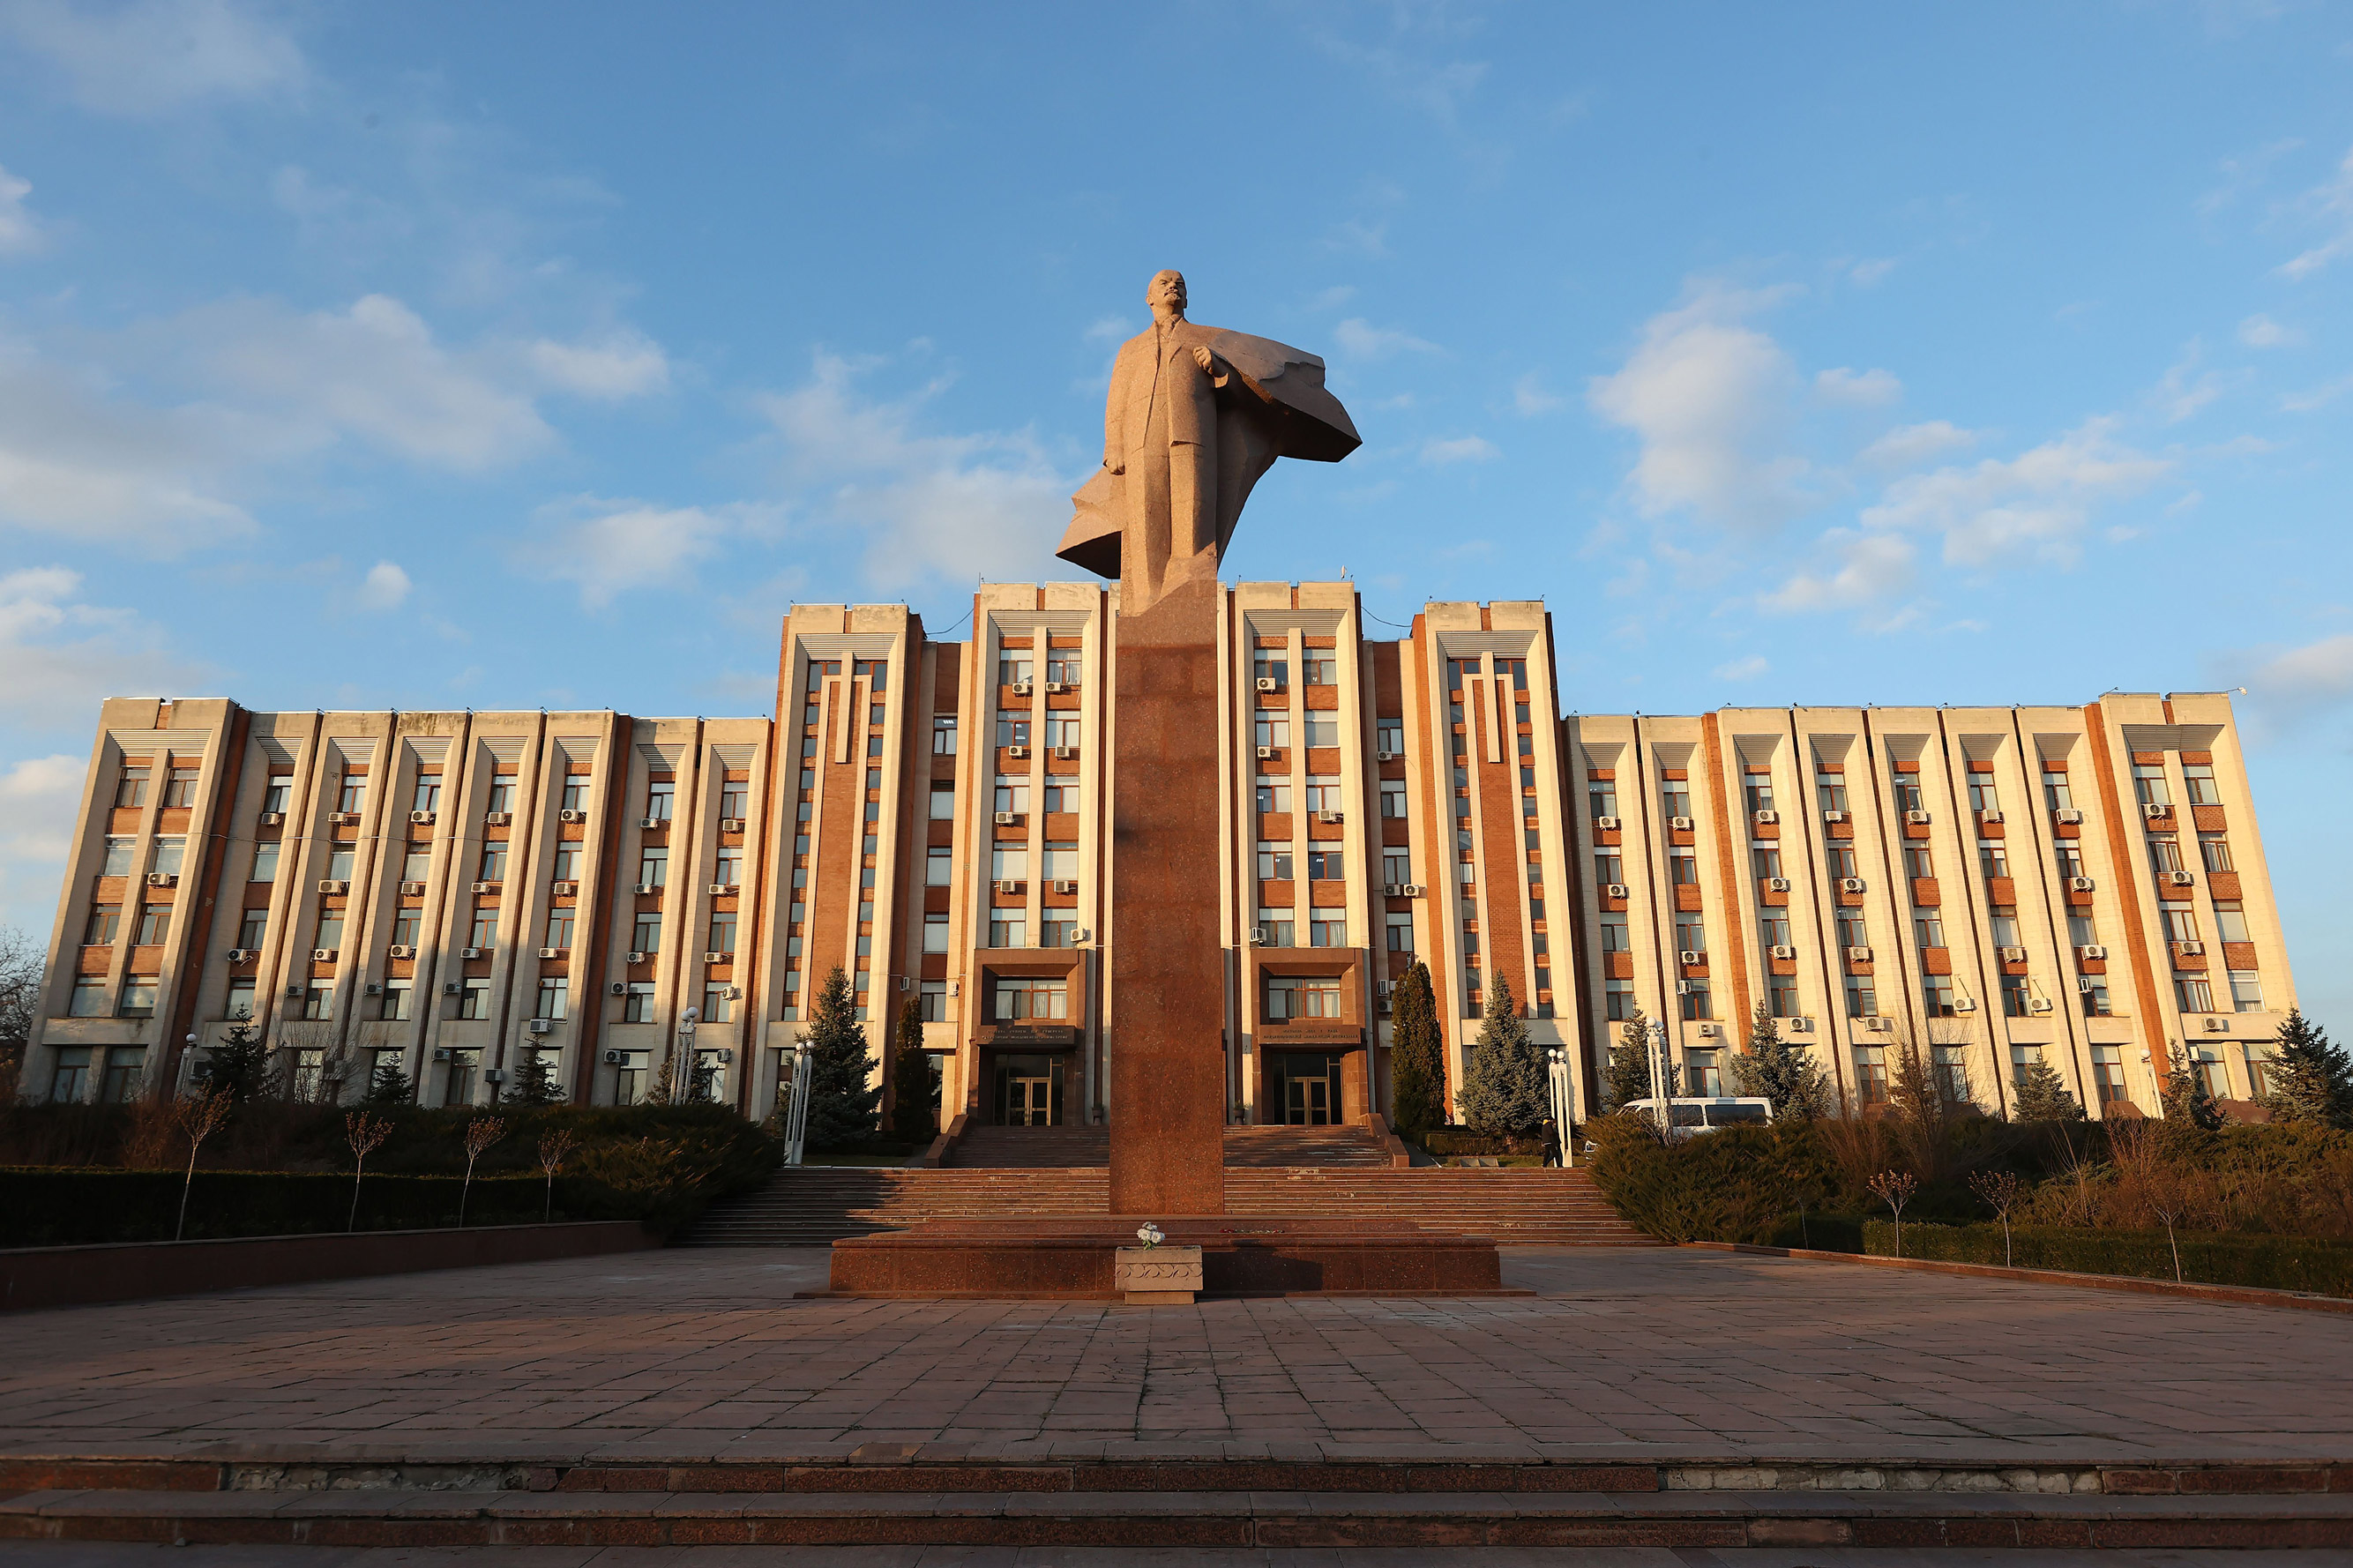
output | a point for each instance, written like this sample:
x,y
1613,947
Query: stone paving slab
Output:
x,y
1641,1354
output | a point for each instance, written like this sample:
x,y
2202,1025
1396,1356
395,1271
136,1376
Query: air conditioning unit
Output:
x,y
2157,813
1858,955
1850,884
1767,818
498,820
486,887
2217,1025
1781,951
400,949
653,824
718,958
1330,819
1266,753
412,889
1409,890
1054,689
1691,955
613,1058
473,953
1800,1026
2180,878
721,889
242,954
1021,689
497,1075
322,955
2069,816
1682,987
2039,1004
165,879
330,886
1880,1024
2012,954
724,1056
564,890
649,887
294,994
1077,934
1066,886
541,1025
420,819
1604,825
730,825
1258,936
2079,884
1267,683
1916,818
1010,887
450,988
1007,819
273,819
638,955
1613,890
2086,983
1965,1003
2092,950
1393,890
1834,815
1680,823
441,1054
553,952
1017,752
373,989
343,819
570,814
1388,756
1989,815
1777,884
2191,946
1066,753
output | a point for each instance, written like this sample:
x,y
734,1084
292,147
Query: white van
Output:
x,y
1690,1118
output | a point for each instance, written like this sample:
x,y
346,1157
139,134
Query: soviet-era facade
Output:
x,y
2083,886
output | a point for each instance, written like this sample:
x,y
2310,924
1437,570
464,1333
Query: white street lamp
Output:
x,y
682,1061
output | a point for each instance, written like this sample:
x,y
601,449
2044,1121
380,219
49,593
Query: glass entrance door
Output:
x,y
1029,1103
1311,1089
1029,1090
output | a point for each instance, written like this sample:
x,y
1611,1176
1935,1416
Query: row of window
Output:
x,y
2150,788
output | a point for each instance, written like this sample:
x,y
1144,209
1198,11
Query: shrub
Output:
x,y
68,1208
2260,1262
1738,1184
1416,1056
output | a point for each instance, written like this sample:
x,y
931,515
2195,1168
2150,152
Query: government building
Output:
x,y
452,892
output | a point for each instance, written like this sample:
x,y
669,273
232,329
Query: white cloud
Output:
x,y
2262,332
626,364
1461,450
1871,567
1857,389
39,797
154,57
2331,205
63,656
952,506
2289,687
1529,396
1868,272
1748,668
2177,395
2033,506
608,547
2319,396
1909,446
1711,399
19,231
1360,338
385,586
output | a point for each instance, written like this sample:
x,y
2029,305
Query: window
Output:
x,y
1861,997
2150,786
722,932
1781,994
1012,728
1319,667
727,865
416,865
1937,995
138,999
1830,791
1983,796
1919,862
554,996
1682,865
568,862
2246,990
1614,935
559,930
645,931
276,792
943,734
2198,783
2015,996
238,1004
1274,794
1059,862
130,789
119,851
249,928
934,995
1697,1004
1008,928
170,853
426,793
1702,1075
1267,664
1326,865
2094,989
1993,859
69,1081
1851,931
1327,928
2215,851
1608,869
936,932
474,1000
393,1004
1009,864
1905,787
1690,934
330,934
88,998
1290,996
735,798
1928,927
485,932
407,921
2195,993
2165,853
1275,732
341,860
637,1003
1388,735
717,1003
1013,669
1019,997
2069,858
1274,861
1772,927
1838,859
2261,1072
1601,797
1758,792
1400,933
1321,732
1764,860
2004,923
1616,1000
1871,1074
351,792
1065,664
1057,928
2231,921
2181,923
155,925
1674,797
653,866
1277,928
2055,793
1064,729
2081,931
1397,868
1010,792
493,868
180,790
100,931
1393,798
317,1002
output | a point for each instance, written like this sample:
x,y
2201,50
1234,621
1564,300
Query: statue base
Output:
x,y
1079,1257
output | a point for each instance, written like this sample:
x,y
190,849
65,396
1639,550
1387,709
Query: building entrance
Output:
x,y
1029,1090
1310,1089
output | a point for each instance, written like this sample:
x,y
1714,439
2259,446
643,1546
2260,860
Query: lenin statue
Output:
x,y
1196,415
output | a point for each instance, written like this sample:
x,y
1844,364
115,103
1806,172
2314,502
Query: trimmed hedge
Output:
x,y
1442,1141
50,1207
2207,1258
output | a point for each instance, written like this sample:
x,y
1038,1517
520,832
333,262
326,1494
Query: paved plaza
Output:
x,y
1633,1354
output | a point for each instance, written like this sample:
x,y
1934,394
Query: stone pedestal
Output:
x,y
1168,998
1158,1276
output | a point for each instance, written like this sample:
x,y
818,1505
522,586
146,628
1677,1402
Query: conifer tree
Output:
x,y
2312,1080
1627,1076
913,1117
1416,1056
1772,1069
2042,1095
534,1079
240,1066
841,1108
1507,1086
2186,1098
388,1085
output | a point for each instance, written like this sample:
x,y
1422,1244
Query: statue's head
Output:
x,y
1166,292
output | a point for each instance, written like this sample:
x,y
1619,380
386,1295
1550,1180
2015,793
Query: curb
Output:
x,y
2235,1294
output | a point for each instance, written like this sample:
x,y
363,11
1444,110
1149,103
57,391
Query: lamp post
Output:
x,y
187,1066
681,1068
1659,1073
1557,1064
796,1105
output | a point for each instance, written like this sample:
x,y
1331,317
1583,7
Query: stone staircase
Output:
x,y
1031,1148
1322,1147
1516,1207
816,1205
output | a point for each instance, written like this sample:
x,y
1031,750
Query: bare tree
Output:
x,y
20,986
2000,1191
365,1133
481,1134
1895,1189
199,1116
552,1147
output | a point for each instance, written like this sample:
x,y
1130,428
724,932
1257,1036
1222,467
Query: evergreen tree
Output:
x,y
2187,1102
1416,1056
1507,1086
2042,1095
914,1116
1772,1069
534,1079
2312,1080
1627,1076
841,1108
240,1066
387,1085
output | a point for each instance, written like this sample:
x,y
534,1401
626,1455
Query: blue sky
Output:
x,y
441,356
